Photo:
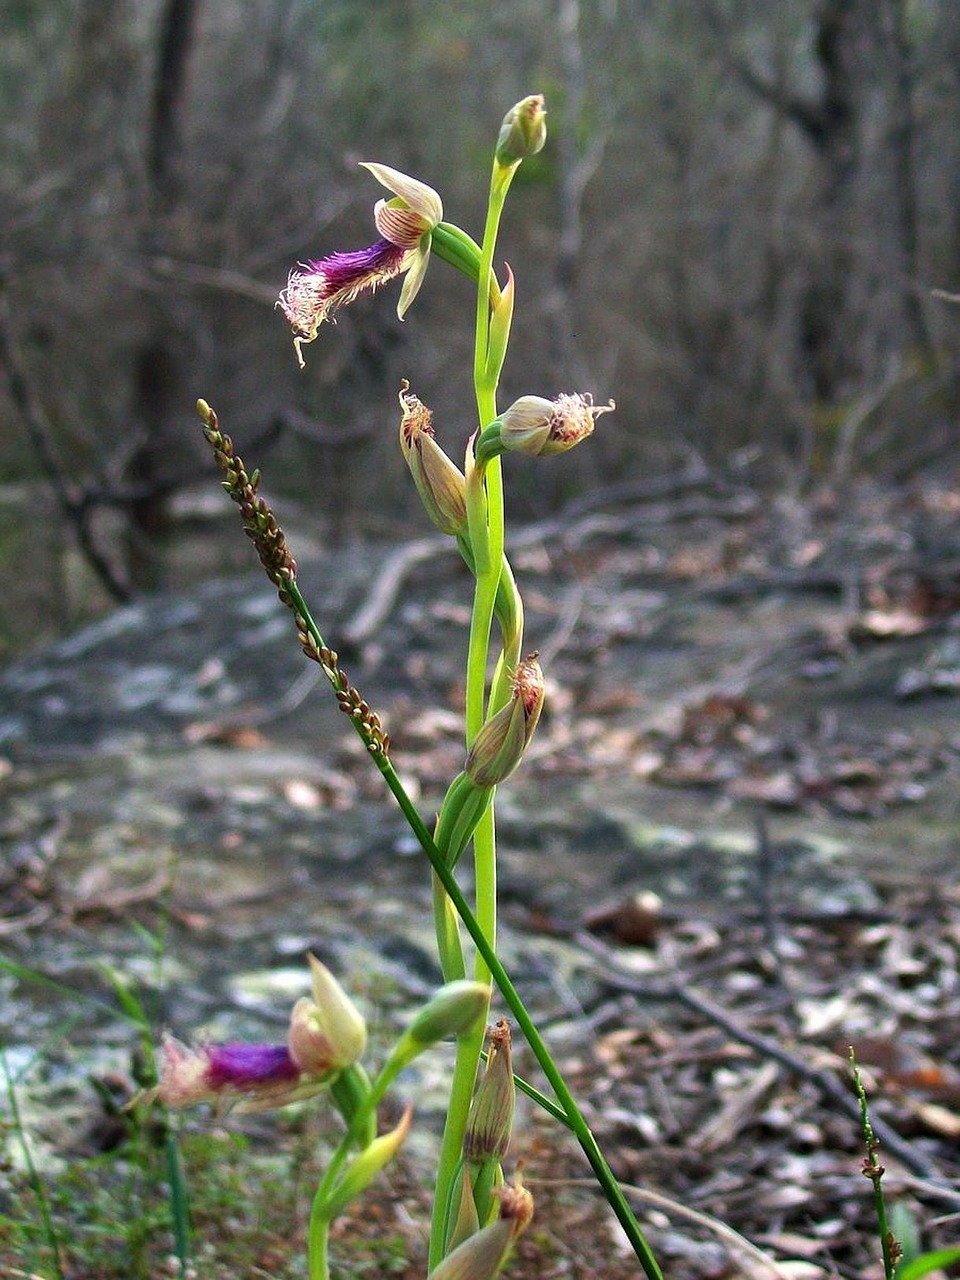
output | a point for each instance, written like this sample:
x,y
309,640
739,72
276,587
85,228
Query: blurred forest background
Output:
x,y
738,229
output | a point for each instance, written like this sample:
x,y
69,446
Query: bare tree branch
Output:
x,y
806,114
75,504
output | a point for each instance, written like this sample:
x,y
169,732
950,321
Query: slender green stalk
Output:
x,y
508,991
33,1175
495,594
514,1003
176,1179
318,1256
179,1200
318,1266
873,1169
486,544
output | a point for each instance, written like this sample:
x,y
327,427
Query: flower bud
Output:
x,y
453,1010
523,132
328,1032
500,743
365,1167
439,481
539,427
481,1256
490,1122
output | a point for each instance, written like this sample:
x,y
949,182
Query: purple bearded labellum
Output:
x,y
315,291
259,1075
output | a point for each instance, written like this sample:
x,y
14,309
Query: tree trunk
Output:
x,y
828,320
162,398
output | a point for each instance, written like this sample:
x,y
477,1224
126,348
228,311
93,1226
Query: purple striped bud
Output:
x,y
490,1122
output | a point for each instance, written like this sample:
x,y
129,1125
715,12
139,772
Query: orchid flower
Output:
x,y
405,222
326,1034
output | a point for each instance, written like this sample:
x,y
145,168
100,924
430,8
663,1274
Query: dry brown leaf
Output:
x,y
937,1119
886,624
780,789
739,1106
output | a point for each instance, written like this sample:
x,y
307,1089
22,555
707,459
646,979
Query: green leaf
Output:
x,y
928,1262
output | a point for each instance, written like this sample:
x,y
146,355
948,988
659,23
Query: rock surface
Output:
x,y
184,808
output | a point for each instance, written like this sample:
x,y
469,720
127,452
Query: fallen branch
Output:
x,y
825,1081
734,1241
559,529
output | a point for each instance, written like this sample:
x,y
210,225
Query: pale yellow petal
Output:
x,y
421,198
419,260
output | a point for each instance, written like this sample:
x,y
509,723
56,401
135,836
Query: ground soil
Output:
x,y
737,833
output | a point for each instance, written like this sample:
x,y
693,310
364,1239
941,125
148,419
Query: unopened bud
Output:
x,y
539,427
439,481
490,1122
453,1010
365,1167
523,132
500,743
327,1032
483,1255
467,1221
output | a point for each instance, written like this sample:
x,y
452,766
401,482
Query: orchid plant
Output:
x,y
477,1214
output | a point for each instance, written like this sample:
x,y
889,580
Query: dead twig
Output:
x,y
734,1241
825,1081
570,534
372,614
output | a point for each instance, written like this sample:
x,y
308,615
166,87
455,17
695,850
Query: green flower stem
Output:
x,y
447,929
508,609
361,1130
459,250
485,521
511,997
513,1001
484,385
318,1260
451,1145
486,542
874,1171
